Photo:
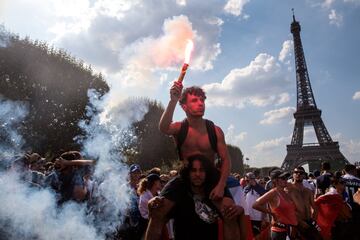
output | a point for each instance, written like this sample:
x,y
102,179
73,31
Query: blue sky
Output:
x,y
243,58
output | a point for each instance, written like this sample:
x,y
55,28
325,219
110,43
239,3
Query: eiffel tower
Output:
x,y
307,114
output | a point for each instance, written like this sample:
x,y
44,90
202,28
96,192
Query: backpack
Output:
x,y
181,136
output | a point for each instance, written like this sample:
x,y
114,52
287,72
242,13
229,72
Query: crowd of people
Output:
x,y
203,199
294,205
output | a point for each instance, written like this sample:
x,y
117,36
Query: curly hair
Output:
x,y
212,174
147,183
194,90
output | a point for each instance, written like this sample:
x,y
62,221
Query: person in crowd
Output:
x,y
352,185
324,180
306,182
155,170
252,192
282,208
312,181
352,182
195,215
332,208
173,173
256,172
262,182
268,185
243,182
134,225
356,197
164,180
67,178
236,176
27,168
49,167
306,211
149,187
237,192
194,135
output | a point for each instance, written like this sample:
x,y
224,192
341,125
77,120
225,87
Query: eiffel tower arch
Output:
x,y
307,114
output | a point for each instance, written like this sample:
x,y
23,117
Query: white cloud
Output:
x,y
235,7
246,16
356,96
286,51
327,3
261,83
234,138
351,150
283,98
349,147
335,18
258,40
277,115
122,38
269,145
352,1
215,21
310,135
112,33
270,152
181,2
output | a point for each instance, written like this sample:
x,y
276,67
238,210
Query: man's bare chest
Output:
x,y
197,140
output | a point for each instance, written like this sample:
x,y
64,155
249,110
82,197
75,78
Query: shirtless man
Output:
x,y
192,101
306,210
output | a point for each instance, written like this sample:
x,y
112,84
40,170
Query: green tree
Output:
x,y
55,86
153,148
236,156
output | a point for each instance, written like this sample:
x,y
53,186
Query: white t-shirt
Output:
x,y
143,203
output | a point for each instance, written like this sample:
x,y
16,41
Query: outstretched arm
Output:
x,y
62,163
261,203
165,125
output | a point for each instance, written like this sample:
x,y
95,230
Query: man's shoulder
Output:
x,y
175,127
218,130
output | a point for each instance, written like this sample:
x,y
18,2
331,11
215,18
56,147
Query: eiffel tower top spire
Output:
x,y
293,15
305,96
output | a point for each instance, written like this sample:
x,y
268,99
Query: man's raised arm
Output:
x,y
165,125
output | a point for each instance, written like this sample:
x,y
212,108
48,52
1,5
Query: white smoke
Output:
x,y
27,213
4,37
105,134
12,113
32,213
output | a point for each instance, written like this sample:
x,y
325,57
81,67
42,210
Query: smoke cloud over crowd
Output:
x,y
29,212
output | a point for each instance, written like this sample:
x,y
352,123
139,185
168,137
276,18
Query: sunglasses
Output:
x,y
299,172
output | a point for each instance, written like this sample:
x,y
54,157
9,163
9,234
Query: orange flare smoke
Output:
x,y
188,50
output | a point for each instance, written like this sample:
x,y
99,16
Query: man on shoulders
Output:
x,y
195,135
192,101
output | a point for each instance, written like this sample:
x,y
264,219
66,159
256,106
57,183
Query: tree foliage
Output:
x,y
55,86
153,148
236,156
